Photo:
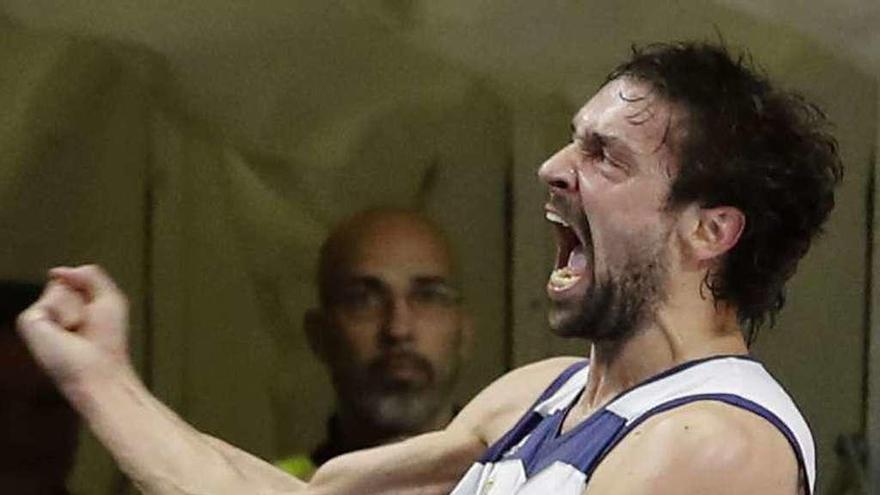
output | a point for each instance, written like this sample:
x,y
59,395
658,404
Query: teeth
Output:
x,y
553,217
563,278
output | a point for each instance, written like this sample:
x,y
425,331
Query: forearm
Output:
x,y
161,453
429,464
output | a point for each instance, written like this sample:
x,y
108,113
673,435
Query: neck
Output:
x,y
670,339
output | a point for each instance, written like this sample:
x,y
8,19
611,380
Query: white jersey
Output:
x,y
533,458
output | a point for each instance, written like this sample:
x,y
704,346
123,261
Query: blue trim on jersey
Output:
x,y
730,399
537,441
793,403
681,367
530,419
576,447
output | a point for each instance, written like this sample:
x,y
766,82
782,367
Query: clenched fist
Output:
x,y
78,327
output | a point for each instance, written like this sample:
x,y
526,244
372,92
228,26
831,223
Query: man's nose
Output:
x,y
398,324
558,172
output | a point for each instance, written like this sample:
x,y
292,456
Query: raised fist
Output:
x,y
78,327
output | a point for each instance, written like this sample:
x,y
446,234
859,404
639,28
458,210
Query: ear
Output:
x,y
316,328
716,231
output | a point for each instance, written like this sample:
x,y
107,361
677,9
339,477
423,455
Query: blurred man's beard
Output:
x,y
398,405
402,411
613,310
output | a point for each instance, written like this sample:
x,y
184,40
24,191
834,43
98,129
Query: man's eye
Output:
x,y
611,161
599,153
590,154
435,294
360,298
592,150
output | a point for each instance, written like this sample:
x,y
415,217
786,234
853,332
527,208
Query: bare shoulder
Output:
x,y
703,447
497,408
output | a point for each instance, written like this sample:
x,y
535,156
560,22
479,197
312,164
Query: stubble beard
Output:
x,y
614,310
401,407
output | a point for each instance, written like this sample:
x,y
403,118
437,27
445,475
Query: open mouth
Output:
x,y
571,255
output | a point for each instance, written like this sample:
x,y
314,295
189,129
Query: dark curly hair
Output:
x,y
748,145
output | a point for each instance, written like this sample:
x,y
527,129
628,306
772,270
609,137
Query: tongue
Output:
x,y
577,261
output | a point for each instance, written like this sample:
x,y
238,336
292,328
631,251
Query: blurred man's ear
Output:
x,y
315,324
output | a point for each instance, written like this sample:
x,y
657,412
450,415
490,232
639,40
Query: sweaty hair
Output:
x,y
749,145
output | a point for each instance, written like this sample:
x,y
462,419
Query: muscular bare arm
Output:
x,y
705,447
77,332
164,455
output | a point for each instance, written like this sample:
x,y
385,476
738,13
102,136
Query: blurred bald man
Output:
x,y
389,327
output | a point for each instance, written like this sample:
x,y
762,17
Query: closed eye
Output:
x,y
593,148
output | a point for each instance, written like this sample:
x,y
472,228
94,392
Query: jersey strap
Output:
x,y
738,381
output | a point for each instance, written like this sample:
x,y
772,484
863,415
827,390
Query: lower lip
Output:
x,y
402,366
406,374
563,283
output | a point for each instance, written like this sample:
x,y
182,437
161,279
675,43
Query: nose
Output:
x,y
558,172
398,324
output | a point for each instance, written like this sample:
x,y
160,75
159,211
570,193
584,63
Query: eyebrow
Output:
x,y
431,279
605,140
373,281
365,280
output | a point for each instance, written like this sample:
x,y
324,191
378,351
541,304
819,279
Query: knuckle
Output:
x,y
122,301
93,269
22,320
26,318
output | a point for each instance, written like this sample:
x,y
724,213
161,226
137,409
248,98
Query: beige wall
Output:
x,y
873,409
